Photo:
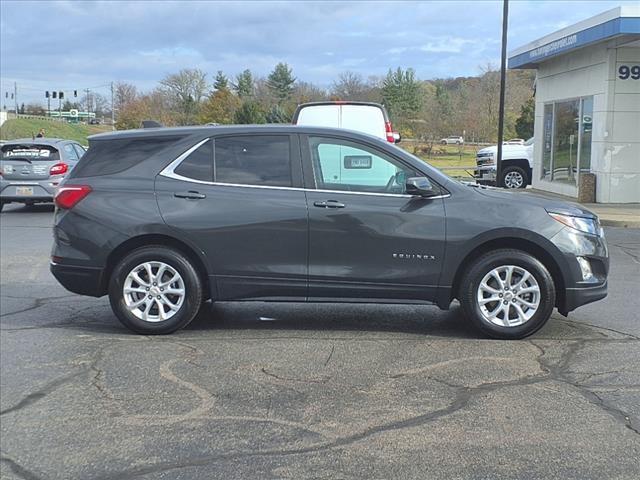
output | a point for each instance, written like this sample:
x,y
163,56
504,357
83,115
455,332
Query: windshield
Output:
x,y
32,152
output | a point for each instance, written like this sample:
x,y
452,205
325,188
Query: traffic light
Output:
x,y
61,95
75,93
46,94
54,94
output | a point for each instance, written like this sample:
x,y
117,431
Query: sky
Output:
x,y
73,45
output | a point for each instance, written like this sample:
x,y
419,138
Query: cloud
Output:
x,y
78,44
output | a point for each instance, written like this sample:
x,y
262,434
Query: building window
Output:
x,y
567,140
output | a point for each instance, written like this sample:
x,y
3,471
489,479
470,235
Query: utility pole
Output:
x,y
15,96
86,90
60,106
503,75
113,115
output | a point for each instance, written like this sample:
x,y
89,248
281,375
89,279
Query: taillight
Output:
x,y
68,196
388,128
59,169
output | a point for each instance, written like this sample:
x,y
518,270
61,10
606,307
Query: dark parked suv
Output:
x,y
164,219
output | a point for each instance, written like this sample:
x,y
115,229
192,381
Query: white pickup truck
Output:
x,y
517,165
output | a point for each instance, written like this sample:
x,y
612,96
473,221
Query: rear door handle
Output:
x,y
190,195
329,204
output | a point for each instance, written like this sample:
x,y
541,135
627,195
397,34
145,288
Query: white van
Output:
x,y
365,117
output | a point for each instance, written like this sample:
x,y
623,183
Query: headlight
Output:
x,y
586,225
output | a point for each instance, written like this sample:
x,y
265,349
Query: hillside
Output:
x,y
27,127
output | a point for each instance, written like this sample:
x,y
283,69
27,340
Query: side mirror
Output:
x,y
397,137
421,186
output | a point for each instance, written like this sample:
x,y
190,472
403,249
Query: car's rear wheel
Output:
x,y
507,294
514,177
155,290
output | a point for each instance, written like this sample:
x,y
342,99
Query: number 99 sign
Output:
x,y
626,72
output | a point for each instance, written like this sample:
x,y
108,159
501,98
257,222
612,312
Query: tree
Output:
x,y
185,91
33,109
276,114
123,94
249,113
68,105
524,123
220,107
281,81
401,94
244,84
349,86
221,82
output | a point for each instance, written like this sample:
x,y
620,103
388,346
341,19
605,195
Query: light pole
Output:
x,y
503,75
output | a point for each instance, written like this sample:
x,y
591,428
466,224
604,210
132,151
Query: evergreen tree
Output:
x,y
277,115
244,84
524,123
401,93
281,81
221,82
249,113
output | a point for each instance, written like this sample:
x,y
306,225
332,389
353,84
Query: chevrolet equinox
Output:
x,y
165,219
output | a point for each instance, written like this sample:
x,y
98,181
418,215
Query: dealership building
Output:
x,y
587,115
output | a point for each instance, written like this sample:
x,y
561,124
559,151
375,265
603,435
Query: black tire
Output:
x,y
515,173
192,286
444,142
474,275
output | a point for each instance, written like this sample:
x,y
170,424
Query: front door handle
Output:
x,y
329,204
191,195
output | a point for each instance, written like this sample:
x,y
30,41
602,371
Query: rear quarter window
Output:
x,y
106,157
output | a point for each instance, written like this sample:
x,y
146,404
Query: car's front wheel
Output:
x,y
514,177
507,294
155,290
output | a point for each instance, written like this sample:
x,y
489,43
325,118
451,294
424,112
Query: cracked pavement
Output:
x,y
310,391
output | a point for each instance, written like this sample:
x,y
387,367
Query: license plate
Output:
x,y
24,191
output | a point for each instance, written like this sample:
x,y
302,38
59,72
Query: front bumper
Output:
x,y
576,297
485,174
80,280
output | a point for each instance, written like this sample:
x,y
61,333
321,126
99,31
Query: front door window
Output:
x,y
343,165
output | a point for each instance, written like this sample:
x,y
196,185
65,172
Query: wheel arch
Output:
x,y
165,240
539,251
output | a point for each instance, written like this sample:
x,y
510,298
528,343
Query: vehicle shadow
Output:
x,y
316,317
13,208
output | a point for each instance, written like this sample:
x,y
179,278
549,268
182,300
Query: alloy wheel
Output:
x,y
508,296
154,291
513,180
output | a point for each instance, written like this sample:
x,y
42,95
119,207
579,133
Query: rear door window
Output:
x,y
79,150
199,164
253,160
70,152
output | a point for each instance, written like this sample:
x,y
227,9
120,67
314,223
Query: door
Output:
x,y
235,199
368,239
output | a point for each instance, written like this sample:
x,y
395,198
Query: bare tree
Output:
x,y
123,94
349,86
185,90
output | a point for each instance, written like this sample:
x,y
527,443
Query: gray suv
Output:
x,y
165,219
32,169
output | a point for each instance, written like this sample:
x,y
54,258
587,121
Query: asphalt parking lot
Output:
x,y
310,391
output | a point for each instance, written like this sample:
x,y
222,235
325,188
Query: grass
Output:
x,y
28,127
447,156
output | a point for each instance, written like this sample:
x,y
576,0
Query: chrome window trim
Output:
x,y
169,172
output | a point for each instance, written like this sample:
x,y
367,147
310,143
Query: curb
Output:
x,y
606,222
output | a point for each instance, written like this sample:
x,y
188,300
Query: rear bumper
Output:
x,y
38,190
576,297
80,280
